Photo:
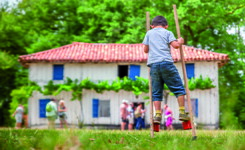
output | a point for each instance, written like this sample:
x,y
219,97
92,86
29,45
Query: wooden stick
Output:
x,y
184,74
150,94
147,21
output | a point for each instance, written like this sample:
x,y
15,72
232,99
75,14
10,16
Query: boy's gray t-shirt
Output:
x,y
159,40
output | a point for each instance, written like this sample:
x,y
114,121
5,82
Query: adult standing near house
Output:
x,y
169,117
124,114
62,109
130,117
157,43
18,114
51,113
138,115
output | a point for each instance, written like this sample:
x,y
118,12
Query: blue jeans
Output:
x,y
165,72
143,123
139,123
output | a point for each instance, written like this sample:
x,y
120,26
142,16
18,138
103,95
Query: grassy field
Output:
x,y
11,139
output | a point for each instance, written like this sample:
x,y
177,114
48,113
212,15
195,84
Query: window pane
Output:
x,y
122,71
190,70
104,108
58,72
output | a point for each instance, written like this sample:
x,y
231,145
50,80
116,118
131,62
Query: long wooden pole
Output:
x,y
185,76
150,89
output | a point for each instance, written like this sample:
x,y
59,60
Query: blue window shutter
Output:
x,y
42,107
190,70
134,71
95,108
58,72
196,106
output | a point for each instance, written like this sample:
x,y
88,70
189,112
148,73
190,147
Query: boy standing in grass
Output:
x,y
157,43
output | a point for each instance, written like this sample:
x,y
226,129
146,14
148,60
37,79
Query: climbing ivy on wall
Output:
x,y
200,83
138,86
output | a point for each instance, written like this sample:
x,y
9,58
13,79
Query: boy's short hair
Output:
x,y
159,20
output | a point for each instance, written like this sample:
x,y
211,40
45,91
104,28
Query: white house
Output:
x,y
107,62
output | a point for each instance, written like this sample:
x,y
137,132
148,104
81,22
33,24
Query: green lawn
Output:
x,y
115,139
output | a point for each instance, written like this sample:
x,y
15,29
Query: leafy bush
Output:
x,y
200,83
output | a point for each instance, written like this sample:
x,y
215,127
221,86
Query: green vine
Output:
x,y
138,86
200,83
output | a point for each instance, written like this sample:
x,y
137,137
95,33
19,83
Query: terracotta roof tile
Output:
x,y
111,53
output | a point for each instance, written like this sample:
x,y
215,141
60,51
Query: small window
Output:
x,y
122,71
190,70
194,104
130,71
101,108
42,107
58,72
104,108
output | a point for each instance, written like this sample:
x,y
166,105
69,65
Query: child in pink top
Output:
x,y
169,117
